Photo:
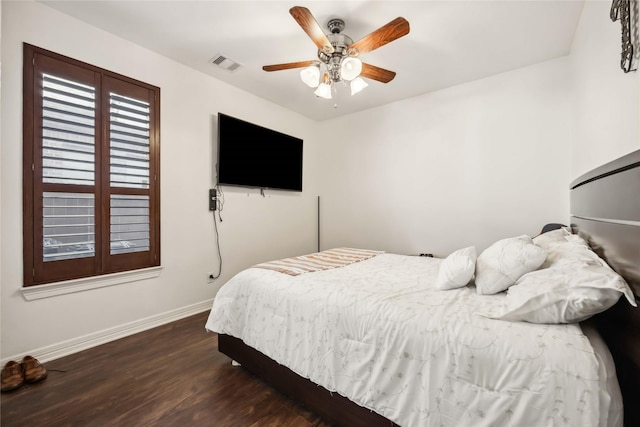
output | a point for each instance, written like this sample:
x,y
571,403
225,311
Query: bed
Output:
x,y
380,341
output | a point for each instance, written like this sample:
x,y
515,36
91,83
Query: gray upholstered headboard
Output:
x,y
605,210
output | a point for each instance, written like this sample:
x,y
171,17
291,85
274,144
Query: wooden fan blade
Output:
x,y
377,73
288,66
305,19
386,34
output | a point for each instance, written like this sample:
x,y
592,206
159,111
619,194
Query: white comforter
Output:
x,y
378,333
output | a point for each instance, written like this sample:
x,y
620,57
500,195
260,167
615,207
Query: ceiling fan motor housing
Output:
x,y
335,25
340,43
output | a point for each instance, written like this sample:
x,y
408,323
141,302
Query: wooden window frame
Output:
x,y
36,271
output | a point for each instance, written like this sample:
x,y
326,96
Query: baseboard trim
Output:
x,y
74,345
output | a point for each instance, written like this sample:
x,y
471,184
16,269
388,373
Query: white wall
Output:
x,y
465,165
254,228
606,99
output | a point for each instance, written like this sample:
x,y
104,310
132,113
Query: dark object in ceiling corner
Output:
x,y
622,9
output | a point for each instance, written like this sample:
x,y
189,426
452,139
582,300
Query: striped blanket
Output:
x,y
325,260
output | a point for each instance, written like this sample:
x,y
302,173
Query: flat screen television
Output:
x,y
254,156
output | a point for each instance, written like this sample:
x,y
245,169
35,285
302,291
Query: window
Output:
x,y
91,196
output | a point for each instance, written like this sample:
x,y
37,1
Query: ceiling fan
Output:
x,y
338,54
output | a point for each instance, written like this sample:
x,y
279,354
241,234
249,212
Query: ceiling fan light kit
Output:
x,y
350,68
338,54
311,75
357,85
325,87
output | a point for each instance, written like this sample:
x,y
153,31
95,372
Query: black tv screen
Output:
x,y
254,156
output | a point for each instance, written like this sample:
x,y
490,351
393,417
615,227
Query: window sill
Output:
x,y
79,285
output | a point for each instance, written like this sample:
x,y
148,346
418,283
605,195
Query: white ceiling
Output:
x,y
451,42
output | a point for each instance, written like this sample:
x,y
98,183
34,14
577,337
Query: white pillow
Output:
x,y
566,293
457,269
504,262
574,249
550,238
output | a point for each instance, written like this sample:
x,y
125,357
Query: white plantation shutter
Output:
x,y
68,226
68,157
68,131
129,224
129,142
129,167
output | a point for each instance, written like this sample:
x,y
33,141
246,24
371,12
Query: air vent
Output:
x,y
225,63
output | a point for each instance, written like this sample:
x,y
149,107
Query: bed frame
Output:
x,y
605,210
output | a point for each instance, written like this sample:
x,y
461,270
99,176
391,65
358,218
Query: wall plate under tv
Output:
x,y
213,199
253,156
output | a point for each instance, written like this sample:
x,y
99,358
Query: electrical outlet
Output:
x,y
210,277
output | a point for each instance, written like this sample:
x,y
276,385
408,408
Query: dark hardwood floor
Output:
x,y
172,375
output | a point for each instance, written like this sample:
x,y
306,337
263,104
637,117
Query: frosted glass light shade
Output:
x,y
323,91
357,85
311,75
350,68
